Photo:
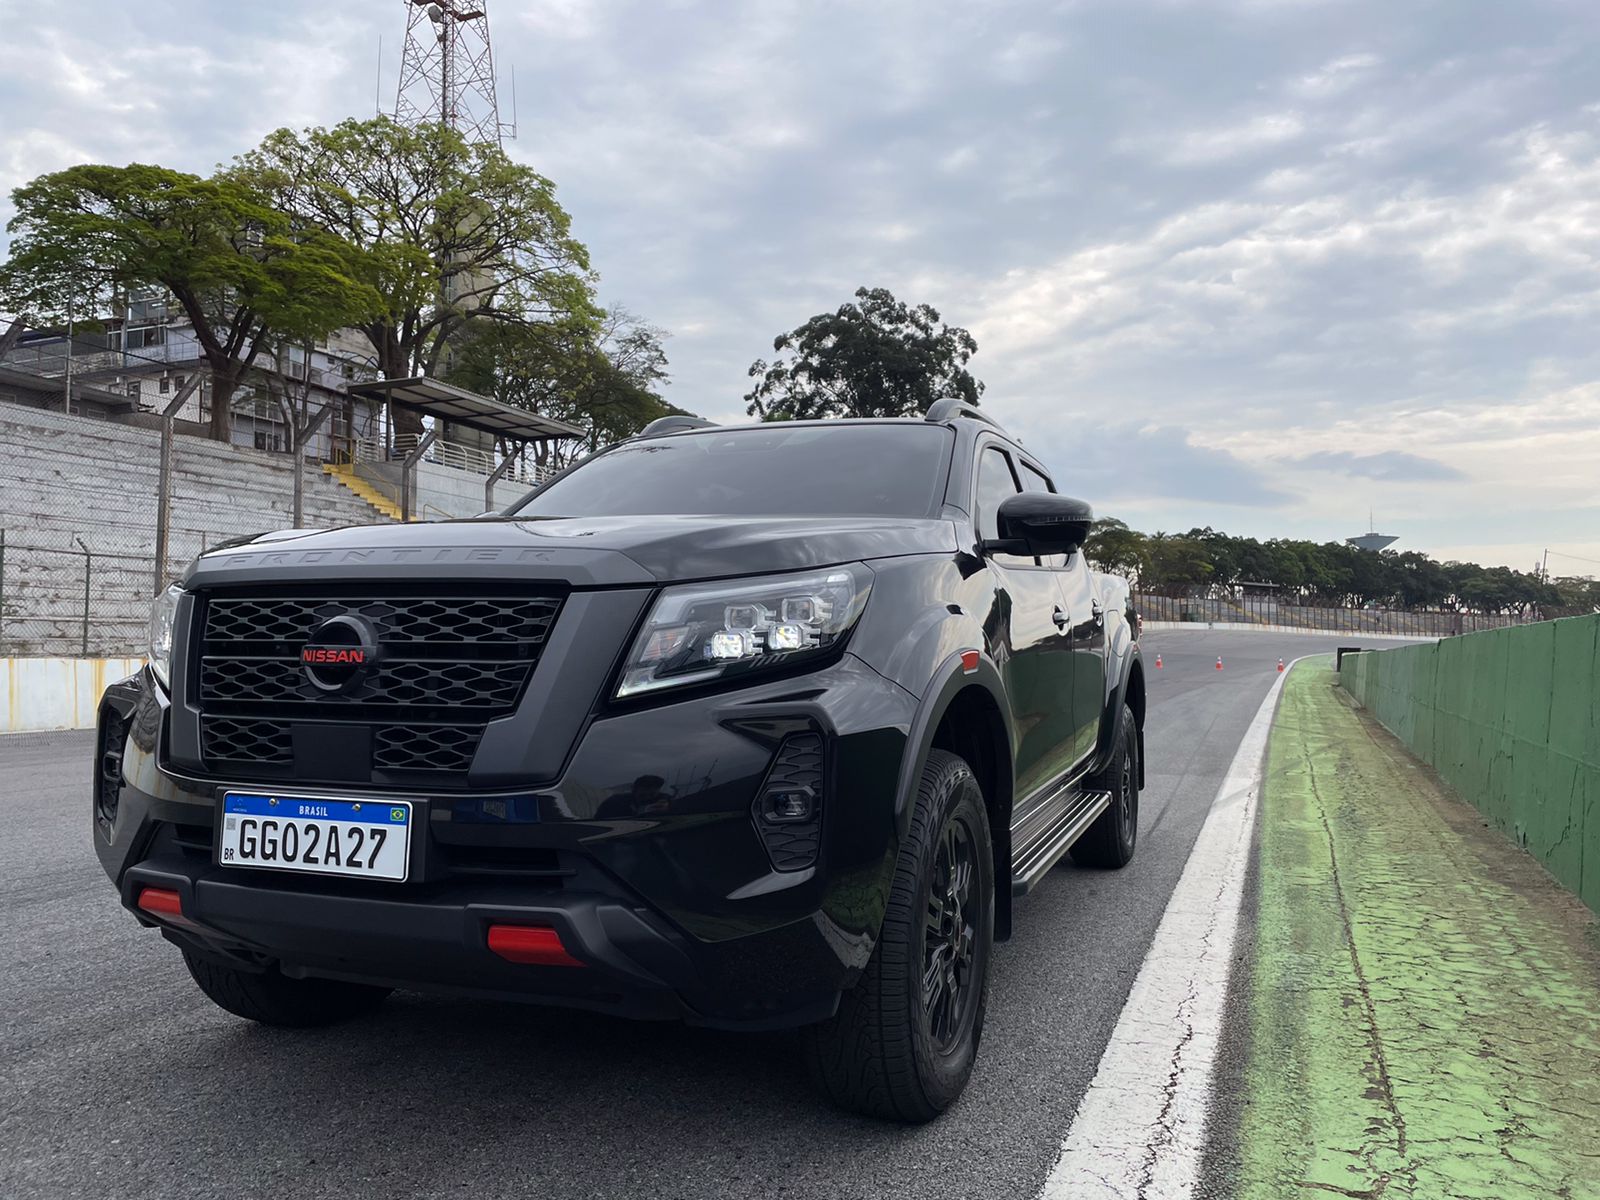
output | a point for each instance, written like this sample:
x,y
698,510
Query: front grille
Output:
x,y
446,665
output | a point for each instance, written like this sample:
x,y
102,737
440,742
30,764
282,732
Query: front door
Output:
x,y
1035,656
1086,627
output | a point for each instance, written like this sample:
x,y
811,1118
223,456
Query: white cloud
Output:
x,y
1226,233
1336,76
1217,143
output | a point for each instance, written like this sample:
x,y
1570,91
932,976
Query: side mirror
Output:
x,y
1041,523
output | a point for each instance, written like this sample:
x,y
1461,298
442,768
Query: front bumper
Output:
x,y
643,856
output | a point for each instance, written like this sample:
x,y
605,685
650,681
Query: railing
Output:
x,y
473,459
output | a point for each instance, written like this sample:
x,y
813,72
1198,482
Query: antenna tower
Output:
x,y
447,70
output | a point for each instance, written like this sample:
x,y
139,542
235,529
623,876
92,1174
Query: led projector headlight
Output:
x,y
162,614
700,632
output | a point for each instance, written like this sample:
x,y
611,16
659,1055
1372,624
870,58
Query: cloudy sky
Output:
x,y
1256,264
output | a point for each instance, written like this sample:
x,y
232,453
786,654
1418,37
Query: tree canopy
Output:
x,y
434,248
450,232
245,271
604,377
877,357
1206,561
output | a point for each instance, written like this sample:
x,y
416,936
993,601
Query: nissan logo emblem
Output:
x,y
339,653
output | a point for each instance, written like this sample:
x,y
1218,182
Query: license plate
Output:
x,y
318,835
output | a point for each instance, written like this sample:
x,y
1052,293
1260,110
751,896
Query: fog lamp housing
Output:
x,y
788,808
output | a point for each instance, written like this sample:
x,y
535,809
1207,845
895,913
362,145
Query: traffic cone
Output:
x,y
1219,662
1280,665
1158,662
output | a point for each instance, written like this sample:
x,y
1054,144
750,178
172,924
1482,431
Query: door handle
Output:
x,y
1060,618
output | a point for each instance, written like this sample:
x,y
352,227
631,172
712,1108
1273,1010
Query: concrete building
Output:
x,y
147,351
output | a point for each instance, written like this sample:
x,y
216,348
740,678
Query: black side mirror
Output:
x,y
1041,523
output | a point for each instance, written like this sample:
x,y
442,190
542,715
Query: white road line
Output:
x,y
1140,1129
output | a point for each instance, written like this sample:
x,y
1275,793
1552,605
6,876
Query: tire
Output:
x,y
894,1050
272,998
1110,842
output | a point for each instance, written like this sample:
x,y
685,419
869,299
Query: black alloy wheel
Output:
x,y
949,943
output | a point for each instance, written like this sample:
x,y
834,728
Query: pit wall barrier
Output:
x,y
56,693
1510,719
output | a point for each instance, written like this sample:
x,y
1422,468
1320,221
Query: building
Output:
x,y
147,350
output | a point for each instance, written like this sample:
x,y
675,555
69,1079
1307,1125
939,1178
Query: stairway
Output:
x,y
345,473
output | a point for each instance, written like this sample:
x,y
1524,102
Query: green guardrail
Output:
x,y
1510,719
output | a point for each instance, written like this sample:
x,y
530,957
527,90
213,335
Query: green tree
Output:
x,y
602,377
452,233
877,357
1113,547
244,270
1175,565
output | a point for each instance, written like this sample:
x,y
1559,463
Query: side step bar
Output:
x,y
1039,843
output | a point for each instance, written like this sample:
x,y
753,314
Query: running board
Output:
x,y
1050,839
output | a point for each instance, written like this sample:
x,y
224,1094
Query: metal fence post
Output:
x,y
169,414
3,588
88,566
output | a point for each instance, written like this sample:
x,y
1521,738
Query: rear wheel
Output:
x,y
273,998
1111,840
904,1040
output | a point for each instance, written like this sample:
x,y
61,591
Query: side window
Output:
x,y
1033,479
995,483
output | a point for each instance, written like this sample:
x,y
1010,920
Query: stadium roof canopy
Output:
x,y
435,398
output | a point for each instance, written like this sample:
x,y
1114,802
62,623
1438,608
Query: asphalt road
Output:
x,y
117,1078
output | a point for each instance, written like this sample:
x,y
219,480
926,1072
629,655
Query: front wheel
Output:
x,y
904,1040
1110,841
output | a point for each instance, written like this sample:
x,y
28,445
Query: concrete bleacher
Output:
x,y
68,479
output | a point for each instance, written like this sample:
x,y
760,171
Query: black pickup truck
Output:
x,y
753,727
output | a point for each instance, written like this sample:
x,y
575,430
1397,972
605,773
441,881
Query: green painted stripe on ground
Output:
x,y
1425,999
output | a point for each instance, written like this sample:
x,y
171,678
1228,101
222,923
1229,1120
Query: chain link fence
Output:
x,y
1269,610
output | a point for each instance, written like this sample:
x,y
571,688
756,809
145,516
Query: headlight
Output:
x,y
705,631
162,614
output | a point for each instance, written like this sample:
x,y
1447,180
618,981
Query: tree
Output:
x,y
1176,565
243,269
602,377
454,234
878,357
1113,547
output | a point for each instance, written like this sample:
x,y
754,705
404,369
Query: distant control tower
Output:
x,y
1372,539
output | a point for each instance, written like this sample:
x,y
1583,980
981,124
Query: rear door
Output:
x,y
1086,631
1033,652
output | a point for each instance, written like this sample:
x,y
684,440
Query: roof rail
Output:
x,y
950,408
676,423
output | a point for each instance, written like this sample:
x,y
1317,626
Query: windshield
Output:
x,y
770,471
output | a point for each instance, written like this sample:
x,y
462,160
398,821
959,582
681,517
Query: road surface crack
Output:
x,y
1375,1045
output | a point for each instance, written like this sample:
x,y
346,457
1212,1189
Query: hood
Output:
x,y
583,552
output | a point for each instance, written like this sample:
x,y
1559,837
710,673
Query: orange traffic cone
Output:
x,y
1219,662
1280,664
1158,662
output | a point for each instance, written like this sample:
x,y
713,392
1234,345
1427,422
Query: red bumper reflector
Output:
x,y
969,661
530,944
163,902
